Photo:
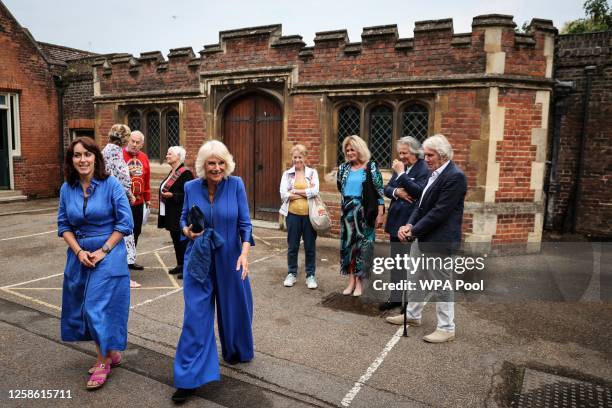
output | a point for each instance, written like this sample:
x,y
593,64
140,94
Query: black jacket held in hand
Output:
x,y
174,204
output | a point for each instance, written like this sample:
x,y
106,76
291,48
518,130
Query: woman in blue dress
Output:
x,y
93,217
223,280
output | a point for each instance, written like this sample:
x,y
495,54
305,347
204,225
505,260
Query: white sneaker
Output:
x,y
290,280
311,282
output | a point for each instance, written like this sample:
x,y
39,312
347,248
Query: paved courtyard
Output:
x,y
313,347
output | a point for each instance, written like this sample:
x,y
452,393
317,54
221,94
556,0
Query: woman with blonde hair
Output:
x,y
298,184
118,137
215,271
361,187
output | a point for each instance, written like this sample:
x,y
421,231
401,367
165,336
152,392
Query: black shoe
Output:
x,y
388,305
175,270
136,267
181,394
179,276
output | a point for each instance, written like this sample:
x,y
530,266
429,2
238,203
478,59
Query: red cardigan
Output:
x,y
140,172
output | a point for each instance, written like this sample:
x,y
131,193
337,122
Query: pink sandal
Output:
x,y
115,362
99,376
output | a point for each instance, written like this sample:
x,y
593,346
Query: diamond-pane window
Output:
x,y
152,141
415,122
134,122
172,128
349,123
381,133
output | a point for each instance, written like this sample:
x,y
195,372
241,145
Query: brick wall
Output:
x,y
574,53
37,170
485,90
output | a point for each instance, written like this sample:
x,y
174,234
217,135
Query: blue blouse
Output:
x,y
107,209
354,183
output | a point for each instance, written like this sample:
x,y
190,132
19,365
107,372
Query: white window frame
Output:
x,y
14,151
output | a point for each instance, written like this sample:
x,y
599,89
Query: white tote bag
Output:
x,y
318,214
146,212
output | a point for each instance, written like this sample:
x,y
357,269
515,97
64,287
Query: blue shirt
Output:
x,y
354,183
107,210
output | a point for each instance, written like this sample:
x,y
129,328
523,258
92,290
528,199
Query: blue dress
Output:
x,y
196,361
96,301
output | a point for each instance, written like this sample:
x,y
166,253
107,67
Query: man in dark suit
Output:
x,y
410,174
436,226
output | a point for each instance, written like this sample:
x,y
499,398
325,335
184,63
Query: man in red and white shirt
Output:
x,y
140,172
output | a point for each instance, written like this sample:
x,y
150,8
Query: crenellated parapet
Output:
x,y
492,48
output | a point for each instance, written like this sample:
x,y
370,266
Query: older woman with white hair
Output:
x,y
361,186
221,277
171,197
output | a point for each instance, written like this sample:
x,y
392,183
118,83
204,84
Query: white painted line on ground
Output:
x,y
155,250
146,302
36,289
350,396
262,240
31,281
166,269
31,299
266,257
28,236
27,211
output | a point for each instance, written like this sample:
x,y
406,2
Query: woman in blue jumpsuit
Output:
x,y
222,199
94,214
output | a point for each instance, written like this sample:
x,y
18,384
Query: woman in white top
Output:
x,y
298,184
118,136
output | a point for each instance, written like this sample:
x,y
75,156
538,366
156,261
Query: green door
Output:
x,y
5,181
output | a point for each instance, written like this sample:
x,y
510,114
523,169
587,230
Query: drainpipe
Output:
x,y
562,90
588,71
60,87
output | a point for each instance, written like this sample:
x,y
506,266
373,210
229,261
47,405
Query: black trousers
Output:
x,y
179,247
137,211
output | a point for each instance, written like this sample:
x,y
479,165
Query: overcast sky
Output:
x,y
137,26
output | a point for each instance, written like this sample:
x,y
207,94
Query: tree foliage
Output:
x,y
598,17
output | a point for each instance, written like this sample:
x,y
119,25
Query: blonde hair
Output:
x,y
217,149
300,148
119,134
363,153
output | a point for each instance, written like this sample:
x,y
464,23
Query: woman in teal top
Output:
x,y
356,236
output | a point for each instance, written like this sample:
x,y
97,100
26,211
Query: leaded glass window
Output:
x,y
381,133
415,122
349,123
172,128
153,135
134,122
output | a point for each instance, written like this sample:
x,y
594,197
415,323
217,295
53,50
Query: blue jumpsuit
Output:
x,y
196,361
96,301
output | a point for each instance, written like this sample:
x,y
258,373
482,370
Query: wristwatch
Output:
x,y
106,249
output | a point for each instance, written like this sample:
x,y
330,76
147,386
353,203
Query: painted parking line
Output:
x,y
31,299
146,302
166,269
28,211
262,240
350,396
28,236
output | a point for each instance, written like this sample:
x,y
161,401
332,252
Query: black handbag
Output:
x,y
195,218
369,198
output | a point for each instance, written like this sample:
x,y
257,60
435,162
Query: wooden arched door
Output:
x,y
252,131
